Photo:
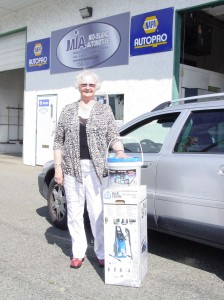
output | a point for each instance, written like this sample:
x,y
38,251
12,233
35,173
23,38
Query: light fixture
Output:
x,y
86,12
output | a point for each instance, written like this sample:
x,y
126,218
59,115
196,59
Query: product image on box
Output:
x,y
123,251
124,172
125,235
122,244
123,177
119,249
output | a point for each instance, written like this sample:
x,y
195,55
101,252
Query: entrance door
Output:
x,y
46,125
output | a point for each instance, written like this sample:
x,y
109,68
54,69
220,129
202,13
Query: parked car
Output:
x,y
183,148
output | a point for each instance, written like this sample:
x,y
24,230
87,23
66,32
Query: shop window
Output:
x,y
202,39
116,102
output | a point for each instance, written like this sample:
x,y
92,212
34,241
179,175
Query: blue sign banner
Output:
x,y
44,102
100,43
38,55
152,32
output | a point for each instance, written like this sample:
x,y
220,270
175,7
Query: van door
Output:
x,y
152,133
46,125
190,179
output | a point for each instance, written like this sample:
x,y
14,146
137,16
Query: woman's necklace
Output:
x,y
85,108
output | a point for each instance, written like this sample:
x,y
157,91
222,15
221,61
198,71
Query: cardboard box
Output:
x,y
125,235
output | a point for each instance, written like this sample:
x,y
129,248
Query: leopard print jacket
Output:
x,y
101,129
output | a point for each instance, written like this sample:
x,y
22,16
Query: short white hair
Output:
x,y
79,78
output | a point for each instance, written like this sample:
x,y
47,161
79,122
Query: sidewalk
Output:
x,y
11,158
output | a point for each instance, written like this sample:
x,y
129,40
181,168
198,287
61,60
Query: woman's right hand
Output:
x,y
121,154
58,175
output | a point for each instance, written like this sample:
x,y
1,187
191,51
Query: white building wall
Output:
x,y
146,81
200,78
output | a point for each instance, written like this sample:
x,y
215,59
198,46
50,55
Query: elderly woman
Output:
x,y
85,129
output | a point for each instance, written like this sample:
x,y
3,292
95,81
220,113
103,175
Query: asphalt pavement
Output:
x,y
35,256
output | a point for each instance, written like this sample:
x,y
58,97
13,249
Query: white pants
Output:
x,y
76,195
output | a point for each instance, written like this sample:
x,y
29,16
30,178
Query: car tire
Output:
x,y
57,205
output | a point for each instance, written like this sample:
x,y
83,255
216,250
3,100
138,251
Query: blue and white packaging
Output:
x,y
125,235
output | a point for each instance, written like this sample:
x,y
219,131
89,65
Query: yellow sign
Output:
x,y
150,24
37,49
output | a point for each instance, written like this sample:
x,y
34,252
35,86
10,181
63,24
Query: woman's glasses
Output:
x,y
92,85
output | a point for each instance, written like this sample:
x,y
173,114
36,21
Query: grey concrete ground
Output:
x,y
34,256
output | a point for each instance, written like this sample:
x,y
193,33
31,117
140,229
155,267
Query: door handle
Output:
x,y
51,110
147,166
144,166
221,170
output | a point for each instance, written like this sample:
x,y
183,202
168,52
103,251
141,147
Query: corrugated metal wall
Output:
x,y
12,51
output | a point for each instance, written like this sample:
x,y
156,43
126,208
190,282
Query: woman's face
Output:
x,y
87,88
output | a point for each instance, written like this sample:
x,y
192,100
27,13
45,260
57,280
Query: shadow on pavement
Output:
x,y
187,252
43,212
62,239
170,247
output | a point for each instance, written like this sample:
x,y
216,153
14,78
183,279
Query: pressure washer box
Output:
x,y
125,235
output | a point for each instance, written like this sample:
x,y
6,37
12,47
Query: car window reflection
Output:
x,y
203,132
151,134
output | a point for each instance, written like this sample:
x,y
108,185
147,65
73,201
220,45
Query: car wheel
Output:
x,y
57,205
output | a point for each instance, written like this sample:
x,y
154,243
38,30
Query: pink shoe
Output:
x,y
101,262
76,263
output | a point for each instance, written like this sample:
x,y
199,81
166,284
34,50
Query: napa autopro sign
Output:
x,y
97,44
152,32
38,55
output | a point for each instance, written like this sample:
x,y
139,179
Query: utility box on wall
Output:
x,y
125,236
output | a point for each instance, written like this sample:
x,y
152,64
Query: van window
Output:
x,y
151,133
203,132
